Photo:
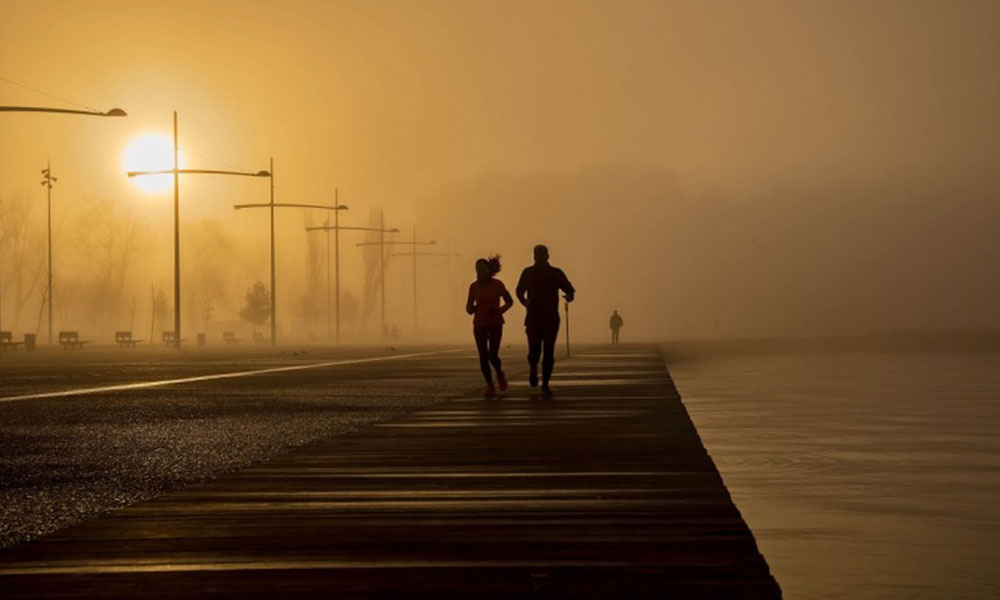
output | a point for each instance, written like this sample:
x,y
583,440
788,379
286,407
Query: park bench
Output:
x,y
229,338
7,341
70,340
168,338
124,339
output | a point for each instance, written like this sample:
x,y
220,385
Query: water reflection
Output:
x,y
862,475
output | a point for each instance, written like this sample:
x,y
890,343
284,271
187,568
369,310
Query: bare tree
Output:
x,y
373,266
311,305
207,312
257,308
110,238
22,249
212,278
161,309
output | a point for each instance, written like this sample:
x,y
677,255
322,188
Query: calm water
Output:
x,y
863,475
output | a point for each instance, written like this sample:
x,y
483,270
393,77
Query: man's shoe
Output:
x,y
502,380
533,378
489,392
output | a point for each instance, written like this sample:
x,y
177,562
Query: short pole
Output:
x,y
567,330
274,295
336,235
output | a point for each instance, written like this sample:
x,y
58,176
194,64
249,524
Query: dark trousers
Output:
x,y
614,336
488,343
542,336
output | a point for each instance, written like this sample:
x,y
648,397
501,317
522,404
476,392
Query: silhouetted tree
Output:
x,y
257,308
107,238
217,274
312,304
207,312
22,247
160,310
373,265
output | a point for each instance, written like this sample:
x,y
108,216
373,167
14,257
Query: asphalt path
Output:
x,y
603,491
83,433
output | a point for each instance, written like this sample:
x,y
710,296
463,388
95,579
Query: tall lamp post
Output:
x,y
337,228
382,243
177,172
415,255
47,180
336,208
114,112
413,244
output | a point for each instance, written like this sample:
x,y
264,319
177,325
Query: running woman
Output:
x,y
485,294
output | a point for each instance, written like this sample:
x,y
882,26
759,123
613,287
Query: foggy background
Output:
x,y
710,169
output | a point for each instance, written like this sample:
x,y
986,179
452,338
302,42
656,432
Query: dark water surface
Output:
x,y
863,475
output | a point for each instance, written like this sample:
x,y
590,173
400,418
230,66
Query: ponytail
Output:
x,y
493,263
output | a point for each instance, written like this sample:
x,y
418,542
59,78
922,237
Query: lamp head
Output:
x,y
116,112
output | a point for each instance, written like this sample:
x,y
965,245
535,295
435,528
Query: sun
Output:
x,y
151,152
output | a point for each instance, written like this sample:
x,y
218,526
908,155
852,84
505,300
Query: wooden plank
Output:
x,y
603,491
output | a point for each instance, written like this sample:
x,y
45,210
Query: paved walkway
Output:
x,y
604,491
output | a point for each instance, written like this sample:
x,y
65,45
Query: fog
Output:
x,y
709,169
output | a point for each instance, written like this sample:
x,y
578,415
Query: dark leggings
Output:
x,y
488,344
542,335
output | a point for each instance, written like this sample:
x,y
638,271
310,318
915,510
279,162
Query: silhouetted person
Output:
x,y
538,290
485,294
616,325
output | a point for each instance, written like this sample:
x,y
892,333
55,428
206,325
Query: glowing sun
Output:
x,y
151,152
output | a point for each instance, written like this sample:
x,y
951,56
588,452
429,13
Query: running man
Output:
x,y
485,294
538,290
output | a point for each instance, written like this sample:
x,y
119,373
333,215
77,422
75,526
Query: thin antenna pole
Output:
x,y
48,185
336,237
274,305
381,254
567,330
329,309
415,279
177,243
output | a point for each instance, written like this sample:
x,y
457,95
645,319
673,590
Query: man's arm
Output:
x,y
522,287
566,286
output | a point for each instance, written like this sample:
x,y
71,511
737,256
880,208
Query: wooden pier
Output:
x,y
604,491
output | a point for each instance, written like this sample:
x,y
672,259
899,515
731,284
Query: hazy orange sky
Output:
x,y
397,102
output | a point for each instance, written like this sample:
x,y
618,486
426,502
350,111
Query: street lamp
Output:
x,y
177,172
336,208
47,180
381,243
337,228
415,255
114,112
413,244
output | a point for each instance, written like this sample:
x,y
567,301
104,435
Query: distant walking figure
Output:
x,y
538,290
616,325
485,294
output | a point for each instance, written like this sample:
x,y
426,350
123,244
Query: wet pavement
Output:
x,y
64,459
603,491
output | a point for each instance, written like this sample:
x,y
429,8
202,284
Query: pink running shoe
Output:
x,y
502,380
489,392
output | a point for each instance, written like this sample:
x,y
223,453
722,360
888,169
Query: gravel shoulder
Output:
x,y
63,460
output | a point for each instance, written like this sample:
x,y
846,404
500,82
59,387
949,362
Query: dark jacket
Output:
x,y
538,289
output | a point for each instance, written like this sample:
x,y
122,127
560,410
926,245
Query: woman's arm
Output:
x,y
470,304
508,301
